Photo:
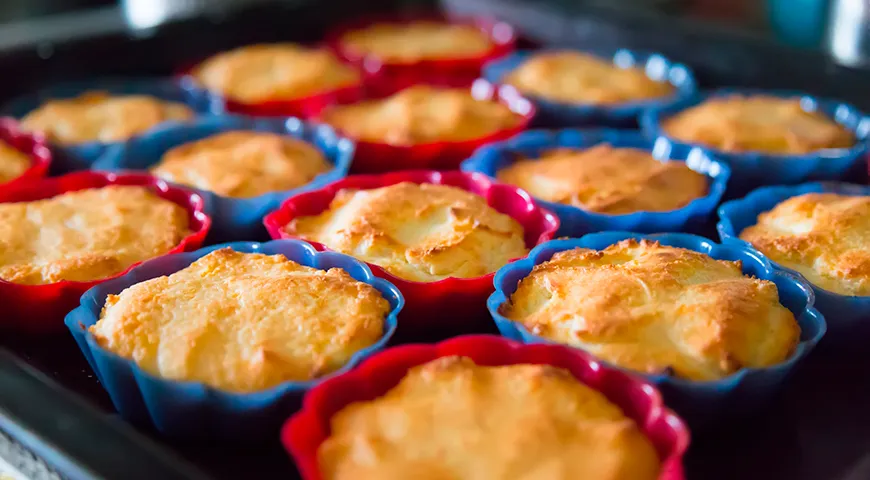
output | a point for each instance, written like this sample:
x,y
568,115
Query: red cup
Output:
x,y
41,308
303,434
33,145
451,304
387,77
377,157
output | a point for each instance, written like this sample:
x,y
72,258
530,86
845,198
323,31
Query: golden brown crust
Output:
x,y
654,309
243,322
417,232
410,42
277,71
821,235
574,77
422,114
86,235
451,419
100,117
757,123
607,180
243,164
12,163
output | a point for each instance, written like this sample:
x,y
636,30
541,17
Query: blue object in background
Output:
x,y
193,409
233,218
799,23
71,158
701,404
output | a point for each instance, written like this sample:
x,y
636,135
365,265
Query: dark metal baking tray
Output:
x,y
53,408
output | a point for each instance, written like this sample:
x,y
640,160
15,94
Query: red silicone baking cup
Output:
x,y
41,308
386,77
452,303
32,145
374,157
303,434
303,107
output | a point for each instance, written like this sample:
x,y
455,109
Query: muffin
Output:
x,y
536,422
757,123
608,180
98,116
579,78
418,232
242,322
656,309
13,163
422,114
417,41
823,236
280,71
243,164
87,234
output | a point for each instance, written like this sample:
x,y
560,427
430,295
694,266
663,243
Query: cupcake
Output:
x,y
23,157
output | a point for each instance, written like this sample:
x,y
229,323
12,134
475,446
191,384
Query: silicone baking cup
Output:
x,y
374,157
576,221
234,218
387,77
80,157
185,409
848,317
753,169
555,114
32,145
309,428
700,403
452,304
40,308
306,107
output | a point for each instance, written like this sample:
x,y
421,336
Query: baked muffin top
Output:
x,y
451,419
277,71
415,41
574,77
656,309
824,236
98,116
422,114
757,123
605,179
243,164
87,234
422,232
243,322
13,163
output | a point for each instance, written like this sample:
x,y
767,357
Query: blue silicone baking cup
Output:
x,y
554,114
848,316
81,157
700,403
234,218
753,169
576,221
192,409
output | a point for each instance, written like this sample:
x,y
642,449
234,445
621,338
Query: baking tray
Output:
x,y
59,423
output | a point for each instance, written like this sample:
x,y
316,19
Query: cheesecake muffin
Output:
x,y
823,236
417,41
605,179
13,163
279,71
242,322
757,123
86,235
451,419
243,164
579,78
98,116
656,309
418,232
422,114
